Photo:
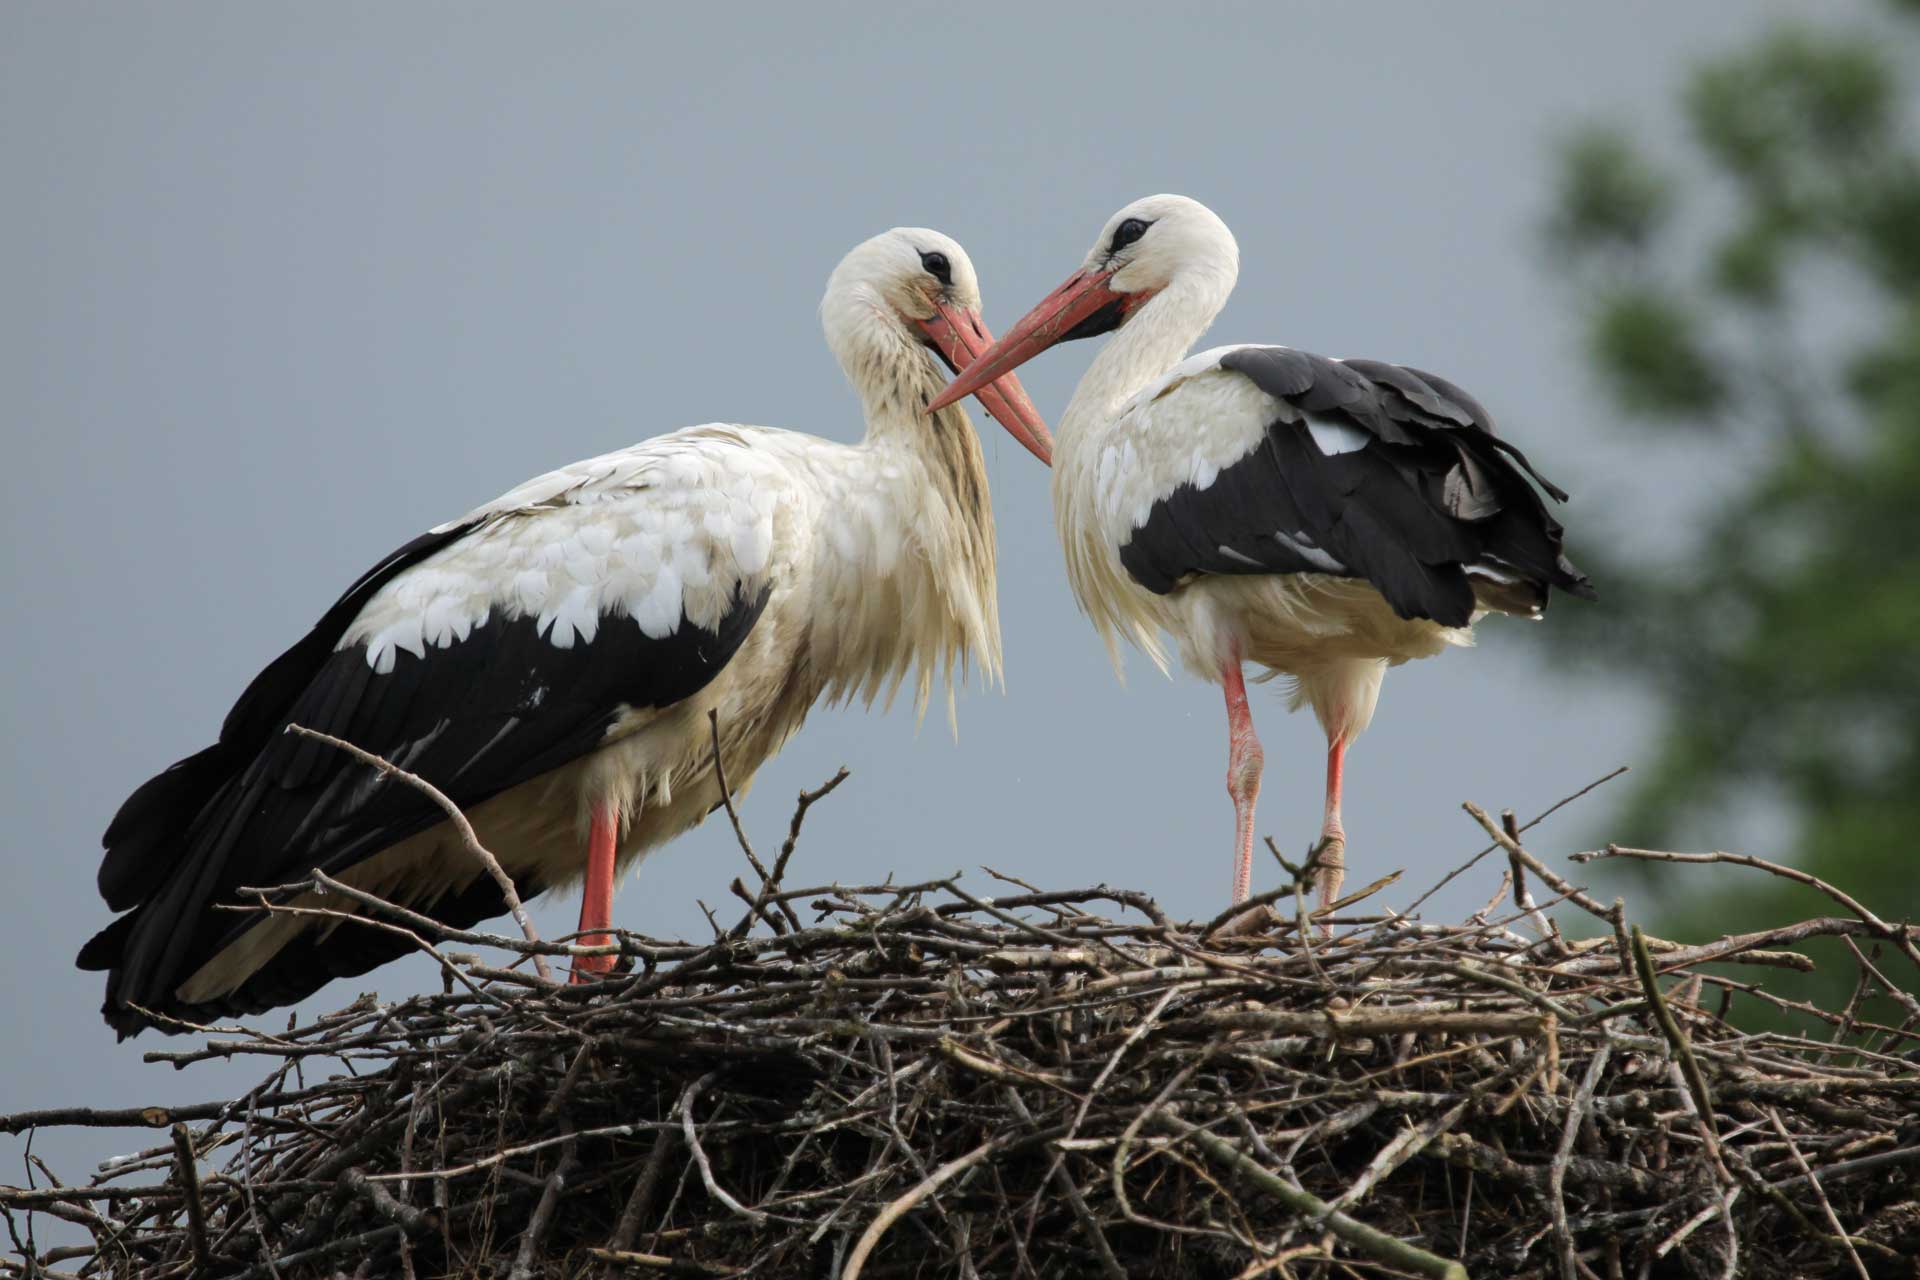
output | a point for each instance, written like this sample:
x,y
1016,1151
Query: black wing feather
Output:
x,y
1431,494
160,807
475,717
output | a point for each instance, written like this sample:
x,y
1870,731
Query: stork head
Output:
x,y
903,310
1155,243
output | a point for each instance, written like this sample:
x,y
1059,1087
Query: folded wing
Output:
x,y
1354,468
479,656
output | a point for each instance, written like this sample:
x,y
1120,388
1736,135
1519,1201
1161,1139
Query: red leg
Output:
x,y
1244,761
1333,837
596,900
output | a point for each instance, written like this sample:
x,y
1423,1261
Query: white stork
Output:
x,y
550,659
1323,518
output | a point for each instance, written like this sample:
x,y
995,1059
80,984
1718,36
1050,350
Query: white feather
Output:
x,y
876,561
1336,437
1147,419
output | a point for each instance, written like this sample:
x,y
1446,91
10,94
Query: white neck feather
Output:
x,y
904,568
906,571
1155,339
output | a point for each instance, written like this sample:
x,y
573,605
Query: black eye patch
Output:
x,y
938,267
1127,232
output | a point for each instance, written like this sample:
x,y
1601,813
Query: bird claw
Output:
x,y
1329,865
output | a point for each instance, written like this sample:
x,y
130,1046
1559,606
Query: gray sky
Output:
x,y
282,285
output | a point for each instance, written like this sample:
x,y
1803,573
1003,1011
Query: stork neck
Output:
x,y
895,381
895,389
1160,333
908,578
952,470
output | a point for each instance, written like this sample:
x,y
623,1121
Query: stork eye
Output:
x,y
1127,232
938,266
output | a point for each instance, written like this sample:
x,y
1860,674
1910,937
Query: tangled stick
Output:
x,y
865,1081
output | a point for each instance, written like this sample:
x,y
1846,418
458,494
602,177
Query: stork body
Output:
x,y
550,661
1324,519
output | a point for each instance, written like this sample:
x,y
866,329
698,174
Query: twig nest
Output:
x,y
919,1080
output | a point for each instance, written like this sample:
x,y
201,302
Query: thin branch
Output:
x,y
873,1089
460,824
1819,1193
186,1167
726,798
692,1137
616,1258
857,1260
1529,825
1559,883
1563,1156
1900,936
556,1186
1375,1244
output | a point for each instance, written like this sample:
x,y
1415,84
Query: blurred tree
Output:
x,y
1757,317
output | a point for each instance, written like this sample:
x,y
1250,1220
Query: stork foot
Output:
x,y
1330,866
1330,855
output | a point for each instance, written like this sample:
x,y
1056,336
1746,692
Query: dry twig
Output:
x,y
873,1080
460,824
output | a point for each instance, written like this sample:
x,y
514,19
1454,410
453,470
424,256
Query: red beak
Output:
x,y
1084,293
960,338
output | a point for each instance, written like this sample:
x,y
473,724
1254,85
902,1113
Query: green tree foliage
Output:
x,y
1755,316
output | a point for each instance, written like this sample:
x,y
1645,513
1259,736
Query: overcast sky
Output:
x,y
282,285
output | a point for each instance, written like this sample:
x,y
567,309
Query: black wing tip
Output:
x,y
156,812
165,855
104,949
1569,578
169,1018
126,1023
159,811
1396,562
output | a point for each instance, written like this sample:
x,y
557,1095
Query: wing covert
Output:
x,y
1360,469
480,656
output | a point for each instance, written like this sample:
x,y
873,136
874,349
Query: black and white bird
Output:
x,y
550,659
1325,519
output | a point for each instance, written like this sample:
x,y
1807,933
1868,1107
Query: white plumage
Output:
x,y
1324,519
551,658
1184,430
872,575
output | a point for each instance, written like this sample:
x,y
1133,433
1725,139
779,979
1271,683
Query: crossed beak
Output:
x,y
961,339
1084,296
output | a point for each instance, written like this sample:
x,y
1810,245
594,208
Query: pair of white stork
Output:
x,y
550,660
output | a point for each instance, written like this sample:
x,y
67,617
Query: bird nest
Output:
x,y
866,1081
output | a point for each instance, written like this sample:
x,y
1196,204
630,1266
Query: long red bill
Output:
x,y
960,337
1057,315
